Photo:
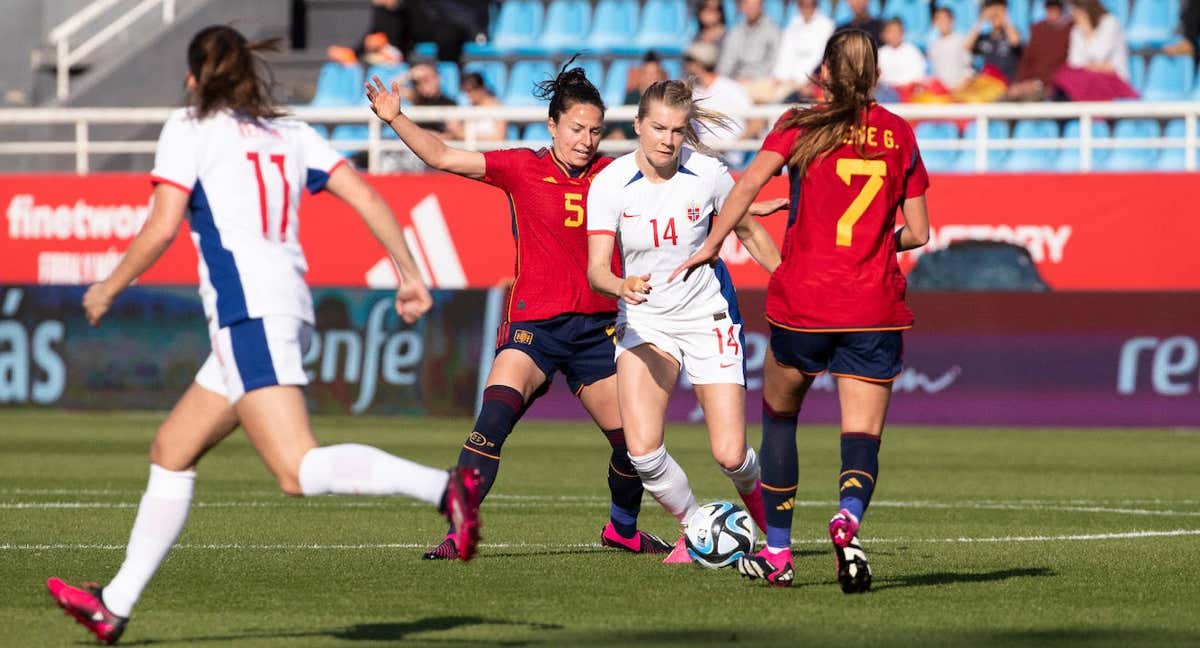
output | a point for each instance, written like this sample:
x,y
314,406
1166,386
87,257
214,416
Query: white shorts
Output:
x,y
256,353
709,351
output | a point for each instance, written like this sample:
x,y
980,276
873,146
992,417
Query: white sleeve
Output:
x,y
319,159
603,209
721,189
176,159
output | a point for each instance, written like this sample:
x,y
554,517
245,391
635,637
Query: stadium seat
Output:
x,y
518,25
537,133
937,160
615,81
1132,159
494,73
673,67
338,85
842,13
1038,159
1168,78
522,78
593,68
1175,158
1118,8
1018,13
1151,23
664,26
914,14
1069,158
776,10
1137,72
566,23
450,81
997,130
387,72
612,23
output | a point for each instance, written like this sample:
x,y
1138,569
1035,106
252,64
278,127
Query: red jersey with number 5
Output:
x,y
547,204
839,270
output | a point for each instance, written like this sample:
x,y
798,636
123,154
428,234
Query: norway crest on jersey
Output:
x,y
693,212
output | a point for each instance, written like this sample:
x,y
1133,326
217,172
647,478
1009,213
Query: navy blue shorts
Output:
x,y
580,346
875,356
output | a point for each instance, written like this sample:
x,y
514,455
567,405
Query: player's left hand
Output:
x,y
765,207
706,255
386,105
412,301
96,302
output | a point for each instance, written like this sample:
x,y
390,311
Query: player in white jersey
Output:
x,y
656,204
238,168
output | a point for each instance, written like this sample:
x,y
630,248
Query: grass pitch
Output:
x,y
976,537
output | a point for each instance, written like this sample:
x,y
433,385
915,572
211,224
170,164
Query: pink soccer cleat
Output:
x,y
679,554
843,528
444,551
754,506
641,542
462,509
775,568
86,606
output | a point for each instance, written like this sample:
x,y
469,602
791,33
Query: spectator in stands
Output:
x,y
1097,66
749,51
1189,31
486,129
710,22
1000,47
651,71
862,19
718,93
948,54
901,64
1044,54
800,50
427,91
388,37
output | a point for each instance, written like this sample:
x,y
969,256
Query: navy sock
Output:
x,y
624,484
860,468
502,406
780,473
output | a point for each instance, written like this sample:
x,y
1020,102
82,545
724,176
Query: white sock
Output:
x,y
667,482
746,477
355,469
160,519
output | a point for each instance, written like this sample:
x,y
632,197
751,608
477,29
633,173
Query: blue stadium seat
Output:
x,y
776,10
997,130
387,72
1132,159
1137,72
339,85
567,21
612,24
613,90
674,68
494,73
537,132
914,14
937,161
1018,13
1168,78
842,13
1118,8
1151,23
521,81
593,68
450,81
1069,158
1033,159
518,25
664,26
966,13
1175,158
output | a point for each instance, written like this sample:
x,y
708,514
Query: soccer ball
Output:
x,y
718,534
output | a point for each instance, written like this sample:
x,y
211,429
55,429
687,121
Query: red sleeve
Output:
x,y
916,180
780,139
503,167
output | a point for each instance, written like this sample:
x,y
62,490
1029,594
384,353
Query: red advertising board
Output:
x,y
1085,232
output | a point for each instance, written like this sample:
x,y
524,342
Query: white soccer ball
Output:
x,y
718,534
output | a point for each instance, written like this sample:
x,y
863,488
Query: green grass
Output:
x,y
257,569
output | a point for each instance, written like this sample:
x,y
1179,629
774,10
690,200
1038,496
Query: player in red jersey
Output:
x,y
553,321
836,302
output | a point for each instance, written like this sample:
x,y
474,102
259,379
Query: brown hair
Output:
x,y
1092,8
229,74
678,94
852,60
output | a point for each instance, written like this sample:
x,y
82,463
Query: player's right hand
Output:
x,y
96,302
412,301
634,289
385,104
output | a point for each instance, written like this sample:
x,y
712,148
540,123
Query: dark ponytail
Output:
x,y
570,87
229,74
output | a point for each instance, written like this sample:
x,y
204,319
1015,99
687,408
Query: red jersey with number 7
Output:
x,y
547,203
839,270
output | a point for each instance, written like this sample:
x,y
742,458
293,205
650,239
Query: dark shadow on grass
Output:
x,y
376,632
950,578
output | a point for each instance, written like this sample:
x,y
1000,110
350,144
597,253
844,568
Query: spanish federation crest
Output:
x,y
693,212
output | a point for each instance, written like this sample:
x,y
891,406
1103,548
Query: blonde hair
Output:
x,y
678,95
852,60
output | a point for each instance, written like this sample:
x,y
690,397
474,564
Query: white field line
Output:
x,y
1126,535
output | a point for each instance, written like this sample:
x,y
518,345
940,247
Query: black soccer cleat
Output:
x,y
86,605
853,572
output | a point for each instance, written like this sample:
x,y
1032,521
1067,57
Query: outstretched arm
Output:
x,y
758,242
412,296
429,147
600,275
155,237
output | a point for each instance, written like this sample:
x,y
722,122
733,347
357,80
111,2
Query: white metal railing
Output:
x,y
82,145
61,35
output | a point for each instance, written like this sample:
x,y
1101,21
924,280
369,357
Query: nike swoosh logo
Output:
x,y
624,215
726,366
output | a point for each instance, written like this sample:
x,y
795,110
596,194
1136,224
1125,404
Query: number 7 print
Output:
x,y
847,168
